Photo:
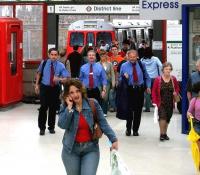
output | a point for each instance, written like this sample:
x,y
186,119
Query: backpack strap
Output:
x,y
94,110
143,72
42,71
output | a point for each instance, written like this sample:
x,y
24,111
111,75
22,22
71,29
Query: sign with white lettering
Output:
x,y
97,9
174,56
157,45
160,9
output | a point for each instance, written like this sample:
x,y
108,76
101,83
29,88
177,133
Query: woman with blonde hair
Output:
x,y
110,79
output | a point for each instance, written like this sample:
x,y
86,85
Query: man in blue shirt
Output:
x,y
138,81
193,79
93,76
49,76
153,66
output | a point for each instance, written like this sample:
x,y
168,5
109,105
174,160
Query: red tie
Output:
x,y
135,76
52,76
91,79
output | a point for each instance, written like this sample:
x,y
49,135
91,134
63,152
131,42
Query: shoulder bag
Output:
x,y
177,97
97,132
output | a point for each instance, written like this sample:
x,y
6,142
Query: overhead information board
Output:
x,y
97,9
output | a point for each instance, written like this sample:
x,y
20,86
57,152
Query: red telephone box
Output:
x,y
10,61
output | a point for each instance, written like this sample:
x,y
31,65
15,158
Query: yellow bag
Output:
x,y
193,137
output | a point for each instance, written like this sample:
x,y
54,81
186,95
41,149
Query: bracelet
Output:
x,y
71,110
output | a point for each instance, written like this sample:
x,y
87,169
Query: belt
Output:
x,y
48,86
136,86
82,143
92,88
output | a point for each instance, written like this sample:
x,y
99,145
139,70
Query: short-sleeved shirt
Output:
x,y
153,66
59,71
99,75
128,68
194,78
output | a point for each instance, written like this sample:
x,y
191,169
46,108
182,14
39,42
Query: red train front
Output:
x,y
89,33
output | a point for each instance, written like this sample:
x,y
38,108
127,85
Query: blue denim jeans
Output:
x,y
196,124
147,102
112,98
83,160
105,100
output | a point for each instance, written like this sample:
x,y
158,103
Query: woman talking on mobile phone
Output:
x,y
80,152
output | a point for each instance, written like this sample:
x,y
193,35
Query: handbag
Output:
x,y
177,97
97,132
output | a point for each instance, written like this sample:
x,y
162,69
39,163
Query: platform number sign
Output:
x,y
50,9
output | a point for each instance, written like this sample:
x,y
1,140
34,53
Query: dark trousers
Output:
x,y
94,93
49,100
135,102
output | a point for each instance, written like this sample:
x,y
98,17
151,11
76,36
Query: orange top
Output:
x,y
121,53
83,133
115,61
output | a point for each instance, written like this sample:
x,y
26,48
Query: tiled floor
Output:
x,y
24,152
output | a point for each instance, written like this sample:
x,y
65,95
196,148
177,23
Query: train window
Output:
x,y
77,38
13,54
6,10
90,39
105,36
31,15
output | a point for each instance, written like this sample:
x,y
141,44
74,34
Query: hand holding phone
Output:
x,y
69,102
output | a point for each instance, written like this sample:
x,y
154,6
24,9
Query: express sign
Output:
x,y
160,9
160,5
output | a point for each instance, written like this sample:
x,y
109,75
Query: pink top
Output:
x,y
194,108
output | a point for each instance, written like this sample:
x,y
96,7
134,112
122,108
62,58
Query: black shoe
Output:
x,y
42,132
52,131
162,137
128,133
135,134
166,137
147,110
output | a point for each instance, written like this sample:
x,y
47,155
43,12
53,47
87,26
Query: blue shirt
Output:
x,y
99,75
59,69
153,66
128,68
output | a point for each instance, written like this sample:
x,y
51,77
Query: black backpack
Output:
x,y
143,72
43,65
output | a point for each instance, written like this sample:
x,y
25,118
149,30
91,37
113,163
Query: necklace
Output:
x,y
79,108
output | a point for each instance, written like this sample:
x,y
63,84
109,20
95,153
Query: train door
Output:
x,y
11,61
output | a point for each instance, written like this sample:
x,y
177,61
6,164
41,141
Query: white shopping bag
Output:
x,y
155,115
118,167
